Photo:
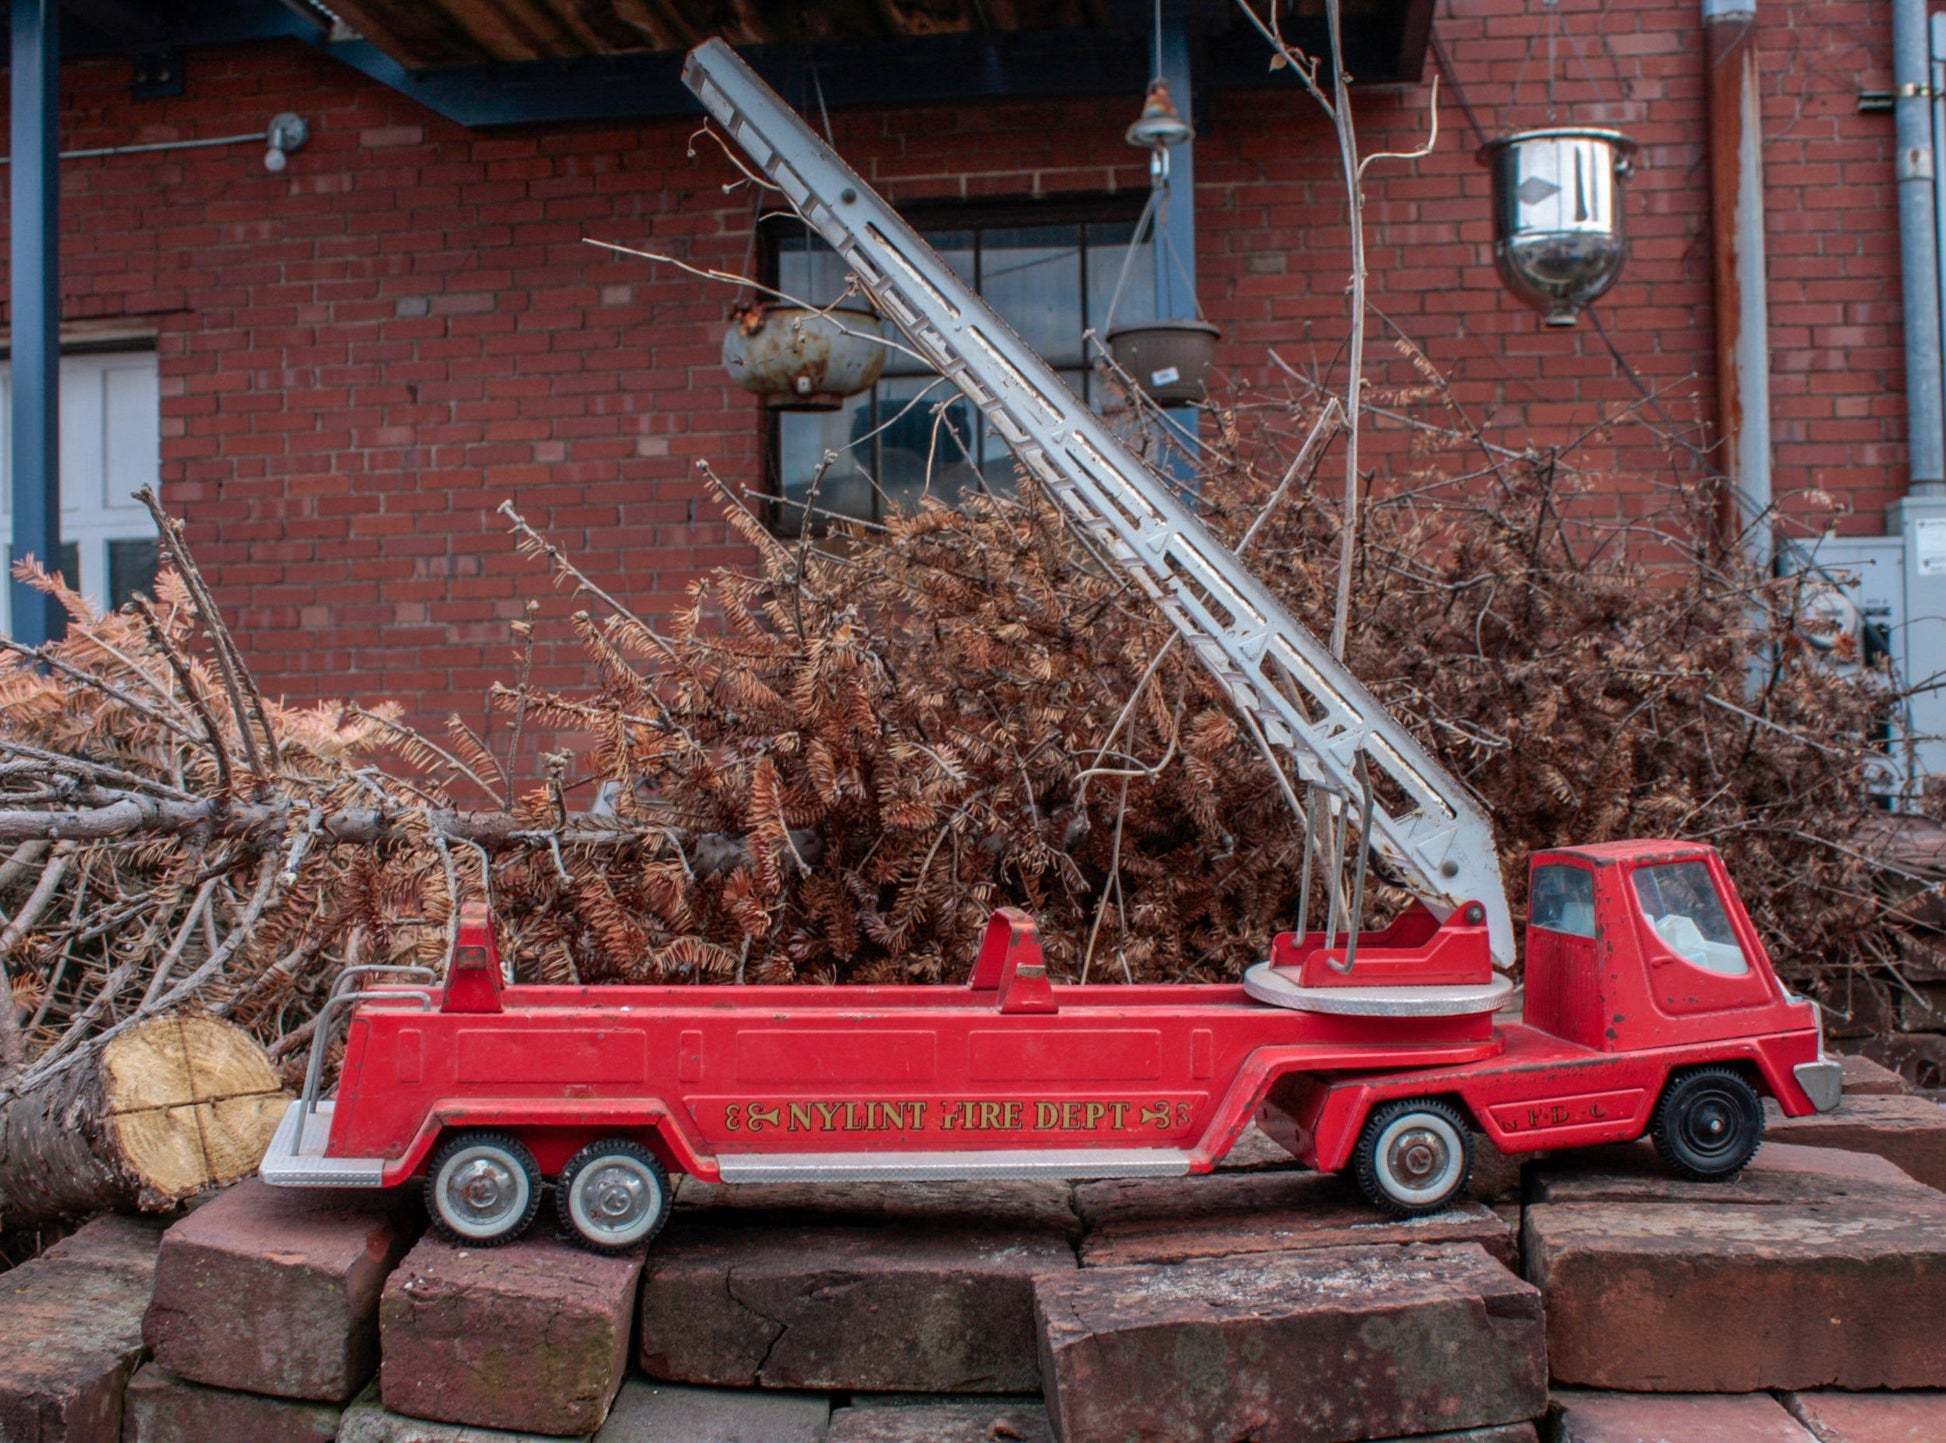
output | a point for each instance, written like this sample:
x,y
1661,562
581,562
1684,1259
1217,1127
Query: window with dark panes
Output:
x,y
1051,272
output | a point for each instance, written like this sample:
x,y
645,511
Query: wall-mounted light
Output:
x,y
287,133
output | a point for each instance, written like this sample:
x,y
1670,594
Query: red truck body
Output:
x,y
1012,1075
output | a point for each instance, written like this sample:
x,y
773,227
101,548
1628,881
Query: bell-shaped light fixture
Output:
x,y
1160,124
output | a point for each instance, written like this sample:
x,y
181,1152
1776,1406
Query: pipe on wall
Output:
x,y
34,284
1918,248
1736,168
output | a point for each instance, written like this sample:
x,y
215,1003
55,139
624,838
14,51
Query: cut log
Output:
x,y
161,1112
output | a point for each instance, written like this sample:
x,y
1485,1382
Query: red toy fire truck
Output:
x,y
1650,1004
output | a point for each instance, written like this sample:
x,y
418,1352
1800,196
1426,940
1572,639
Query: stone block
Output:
x,y
992,1422
1916,1417
275,1290
879,1309
70,1335
643,1413
1496,1175
1920,1057
1316,1346
162,1408
1707,1296
672,1413
1042,1205
367,1422
1256,1149
1667,1418
1780,1173
530,1337
114,1241
1167,1220
1866,1078
950,1422
1910,1131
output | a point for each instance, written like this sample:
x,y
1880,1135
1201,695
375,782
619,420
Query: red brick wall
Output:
x,y
363,356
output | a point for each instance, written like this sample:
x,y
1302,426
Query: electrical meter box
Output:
x,y
1920,524
1866,601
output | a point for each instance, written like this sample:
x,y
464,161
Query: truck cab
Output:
x,y
1641,945
1650,1007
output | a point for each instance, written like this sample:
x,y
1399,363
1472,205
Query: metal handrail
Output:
x,y
412,970
321,1032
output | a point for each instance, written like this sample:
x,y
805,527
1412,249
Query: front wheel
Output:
x,y
483,1188
1708,1124
613,1195
1413,1156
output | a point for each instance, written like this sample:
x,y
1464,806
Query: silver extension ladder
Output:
x,y
1286,684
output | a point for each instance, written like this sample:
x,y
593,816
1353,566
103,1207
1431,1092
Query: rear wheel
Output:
x,y
483,1188
613,1195
1413,1156
1708,1124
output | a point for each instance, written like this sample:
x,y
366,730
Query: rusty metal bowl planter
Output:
x,y
1170,360
800,359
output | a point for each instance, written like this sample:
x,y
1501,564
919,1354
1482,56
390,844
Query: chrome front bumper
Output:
x,y
296,1157
1823,1082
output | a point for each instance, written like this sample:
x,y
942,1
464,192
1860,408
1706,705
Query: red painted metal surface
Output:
x,y
1012,1061
1415,949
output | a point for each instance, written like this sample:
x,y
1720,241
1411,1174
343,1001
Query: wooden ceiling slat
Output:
x,y
625,25
429,34
414,34
511,31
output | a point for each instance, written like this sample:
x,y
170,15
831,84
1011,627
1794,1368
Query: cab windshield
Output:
x,y
1680,901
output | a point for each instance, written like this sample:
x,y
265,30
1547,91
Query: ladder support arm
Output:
x,y
1426,827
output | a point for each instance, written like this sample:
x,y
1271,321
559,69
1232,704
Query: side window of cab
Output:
x,y
1680,902
1563,900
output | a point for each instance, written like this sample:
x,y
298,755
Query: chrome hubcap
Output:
x,y
615,1200
1417,1155
1419,1159
482,1192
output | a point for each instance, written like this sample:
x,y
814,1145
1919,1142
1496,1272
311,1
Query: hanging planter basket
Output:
x,y
1558,240
1170,360
799,359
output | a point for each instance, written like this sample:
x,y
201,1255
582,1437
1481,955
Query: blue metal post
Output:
x,y
1175,249
1175,266
35,294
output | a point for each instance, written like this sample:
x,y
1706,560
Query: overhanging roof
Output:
x,y
488,63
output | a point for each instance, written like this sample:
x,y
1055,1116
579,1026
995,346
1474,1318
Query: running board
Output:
x,y
295,1157
946,1166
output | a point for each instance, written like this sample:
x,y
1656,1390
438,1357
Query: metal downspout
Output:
x,y
1918,255
34,286
1736,139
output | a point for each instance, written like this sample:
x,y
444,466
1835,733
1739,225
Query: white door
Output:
x,y
111,447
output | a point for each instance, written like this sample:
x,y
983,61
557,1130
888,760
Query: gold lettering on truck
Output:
x,y
980,1114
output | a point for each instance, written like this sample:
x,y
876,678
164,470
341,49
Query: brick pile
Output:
x,y
1798,1304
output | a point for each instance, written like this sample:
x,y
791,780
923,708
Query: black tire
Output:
x,y
1414,1156
633,1175
505,1189
1709,1123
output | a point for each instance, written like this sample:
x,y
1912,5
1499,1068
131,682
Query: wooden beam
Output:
x,y
415,35
622,26
1415,33
490,28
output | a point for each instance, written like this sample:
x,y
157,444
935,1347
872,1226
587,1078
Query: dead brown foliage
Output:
x,y
833,765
